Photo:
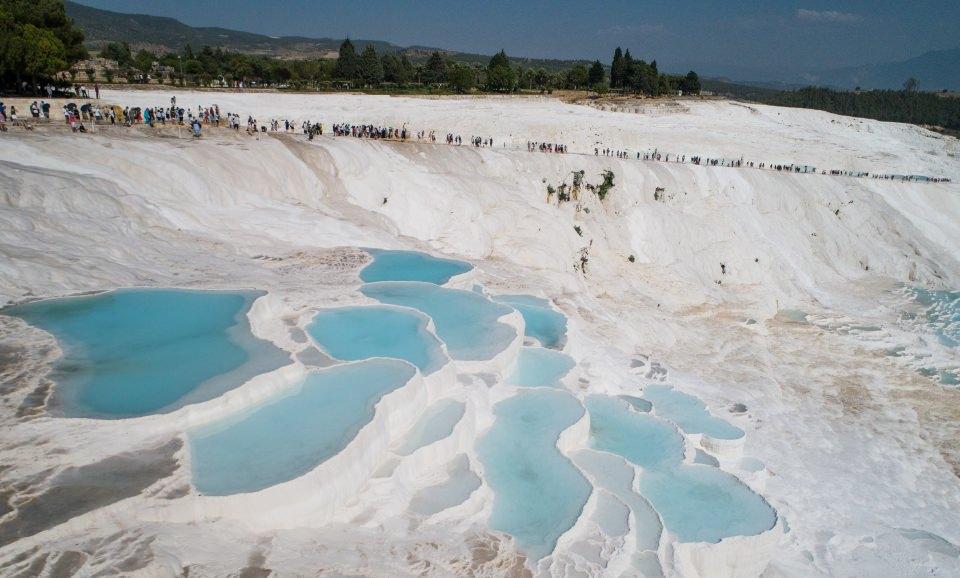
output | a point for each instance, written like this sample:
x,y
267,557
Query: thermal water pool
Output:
x,y
698,503
464,320
539,367
942,309
538,493
688,412
411,266
287,437
355,333
543,323
133,352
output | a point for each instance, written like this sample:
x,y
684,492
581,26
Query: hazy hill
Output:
x,y
162,34
935,71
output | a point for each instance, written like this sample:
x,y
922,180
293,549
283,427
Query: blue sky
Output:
x,y
757,35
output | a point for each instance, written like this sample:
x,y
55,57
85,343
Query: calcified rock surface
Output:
x,y
790,340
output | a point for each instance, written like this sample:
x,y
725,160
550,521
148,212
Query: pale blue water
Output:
x,y
637,403
538,493
437,423
355,333
465,321
287,437
942,312
134,352
410,266
701,503
539,367
640,438
543,322
697,502
689,413
612,474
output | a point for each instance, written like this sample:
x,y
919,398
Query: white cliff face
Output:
x,y
853,447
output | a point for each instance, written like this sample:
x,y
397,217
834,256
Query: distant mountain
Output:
x,y
162,34
935,71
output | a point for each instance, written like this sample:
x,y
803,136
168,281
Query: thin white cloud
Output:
x,y
828,16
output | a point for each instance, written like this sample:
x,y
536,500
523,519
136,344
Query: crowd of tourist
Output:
x,y
658,156
211,116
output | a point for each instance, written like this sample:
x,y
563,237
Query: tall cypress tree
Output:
x,y
616,69
347,62
370,71
597,74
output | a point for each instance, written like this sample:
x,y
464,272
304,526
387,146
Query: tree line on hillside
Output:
x,y
907,105
638,77
36,41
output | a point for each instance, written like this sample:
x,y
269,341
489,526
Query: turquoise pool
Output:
x,y
355,333
538,493
411,266
638,437
539,367
135,352
543,323
291,435
698,503
464,320
689,413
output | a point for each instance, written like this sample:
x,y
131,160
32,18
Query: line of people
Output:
x,y
658,156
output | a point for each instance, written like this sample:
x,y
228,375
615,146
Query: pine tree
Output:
x,y
616,69
347,62
500,76
435,72
370,71
597,74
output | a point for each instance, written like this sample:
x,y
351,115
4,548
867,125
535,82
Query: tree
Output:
x,y
43,53
577,77
597,74
347,62
392,68
369,69
463,78
616,69
690,83
36,40
500,75
144,60
119,52
435,71
910,85
541,80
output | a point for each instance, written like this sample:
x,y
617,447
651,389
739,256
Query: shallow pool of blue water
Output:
x,y
411,266
539,367
288,436
134,352
464,320
942,313
698,503
639,437
538,493
689,413
355,333
543,323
